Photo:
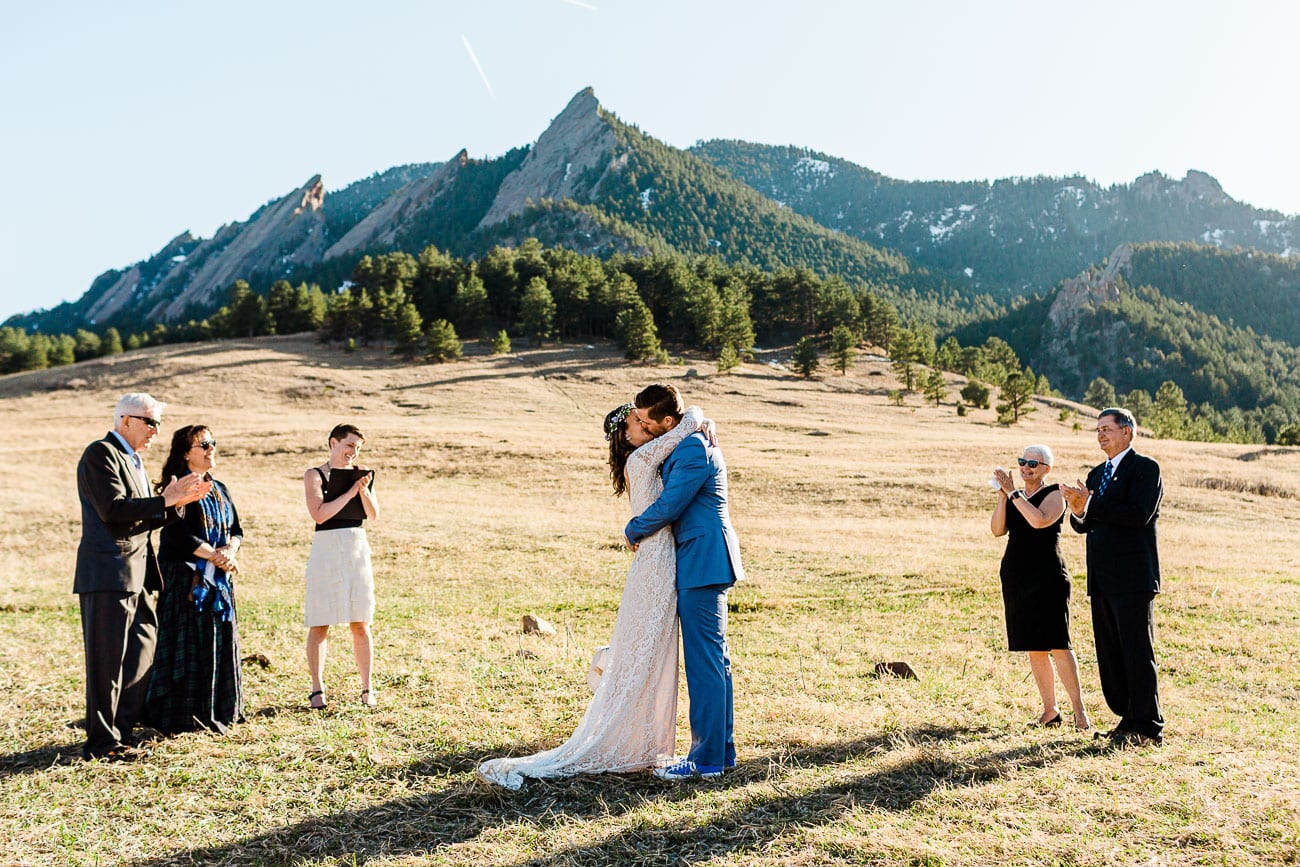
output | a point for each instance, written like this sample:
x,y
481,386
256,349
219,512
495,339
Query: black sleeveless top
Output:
x,y
335,523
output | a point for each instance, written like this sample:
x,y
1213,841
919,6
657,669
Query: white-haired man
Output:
x,y
117,576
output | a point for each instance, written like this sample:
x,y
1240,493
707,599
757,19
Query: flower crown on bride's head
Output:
x,y
615,420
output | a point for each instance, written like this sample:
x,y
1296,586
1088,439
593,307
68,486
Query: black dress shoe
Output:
x,y
1137,739
118,753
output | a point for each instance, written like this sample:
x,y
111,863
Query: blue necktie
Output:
x,y
139,472
1105,478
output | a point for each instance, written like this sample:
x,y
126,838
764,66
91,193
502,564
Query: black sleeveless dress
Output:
x,y
1035,583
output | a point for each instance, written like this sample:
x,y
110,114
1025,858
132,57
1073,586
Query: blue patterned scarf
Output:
x,y
213,592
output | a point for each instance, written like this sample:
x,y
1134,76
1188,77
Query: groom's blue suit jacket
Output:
x,y
694,502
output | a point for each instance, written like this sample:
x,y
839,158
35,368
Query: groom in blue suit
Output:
x,y
694,502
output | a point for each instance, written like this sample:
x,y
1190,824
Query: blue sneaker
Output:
x,y
688,770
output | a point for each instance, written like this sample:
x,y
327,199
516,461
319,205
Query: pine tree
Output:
x,y
88,344
537,311
636,328
249,316
1169,417
727,359
804,359
442,342
948,356
112,344
1100,394
501,343
843,348
472,307
1138,401
408,331
936,387
1017,394
908,351
735,327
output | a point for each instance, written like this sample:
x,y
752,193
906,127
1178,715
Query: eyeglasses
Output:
x,y
206,444
1033,465
152,422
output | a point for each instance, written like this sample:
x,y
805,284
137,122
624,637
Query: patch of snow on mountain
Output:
x,y
808,165
645,198
1265,225
1215,237
817,172
968,271
1080,197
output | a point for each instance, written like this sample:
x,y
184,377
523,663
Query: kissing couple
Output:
x,y
666,459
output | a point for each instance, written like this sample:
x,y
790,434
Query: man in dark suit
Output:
x,y
1117,508
117,575
694,503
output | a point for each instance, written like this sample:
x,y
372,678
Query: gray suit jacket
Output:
x,y
117,514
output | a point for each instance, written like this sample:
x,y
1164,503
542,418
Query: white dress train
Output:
x,y
631,722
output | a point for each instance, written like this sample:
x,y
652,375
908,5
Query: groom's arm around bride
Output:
x,y
694,502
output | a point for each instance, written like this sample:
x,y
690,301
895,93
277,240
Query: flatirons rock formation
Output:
x,y
189,273
578,140
379,229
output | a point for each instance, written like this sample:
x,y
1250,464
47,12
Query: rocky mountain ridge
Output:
x,y
1009,236
597,185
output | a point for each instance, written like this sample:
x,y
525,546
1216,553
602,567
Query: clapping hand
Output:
x,y
1004,480
362,481
1076,496
187,489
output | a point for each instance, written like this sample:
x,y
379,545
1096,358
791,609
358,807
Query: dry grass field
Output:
x,y
865,532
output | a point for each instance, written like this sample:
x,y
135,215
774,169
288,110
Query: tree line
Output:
x,y
423,306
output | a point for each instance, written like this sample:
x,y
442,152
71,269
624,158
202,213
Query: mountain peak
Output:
x,y
578,140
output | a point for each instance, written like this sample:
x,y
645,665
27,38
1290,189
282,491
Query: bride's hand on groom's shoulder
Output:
x,y
710,430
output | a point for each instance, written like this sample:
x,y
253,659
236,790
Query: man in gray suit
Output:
x,y
117,577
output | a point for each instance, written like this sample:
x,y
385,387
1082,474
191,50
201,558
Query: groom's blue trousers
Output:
x,y
703,613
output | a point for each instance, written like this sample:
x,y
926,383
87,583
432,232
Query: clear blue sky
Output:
x,y
124,124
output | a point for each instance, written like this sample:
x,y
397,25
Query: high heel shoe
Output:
x,y
367,699
311,700
1051,723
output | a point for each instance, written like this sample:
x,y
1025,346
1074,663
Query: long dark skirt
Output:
x,y
195,680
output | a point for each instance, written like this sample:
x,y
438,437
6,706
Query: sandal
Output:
x,y
311,699
367,699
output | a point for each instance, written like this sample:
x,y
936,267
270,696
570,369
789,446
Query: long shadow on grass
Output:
x,y
40,759
423,825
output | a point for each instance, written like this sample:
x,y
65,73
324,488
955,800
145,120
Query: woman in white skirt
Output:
x,y
340,582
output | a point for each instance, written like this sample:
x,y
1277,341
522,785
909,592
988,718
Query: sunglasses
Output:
x,y
206,444
152,422
1033,465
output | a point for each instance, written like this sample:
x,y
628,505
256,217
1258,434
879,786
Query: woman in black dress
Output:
x,y
195,679
1035,582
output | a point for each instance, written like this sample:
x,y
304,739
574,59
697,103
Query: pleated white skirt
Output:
x,y
340,581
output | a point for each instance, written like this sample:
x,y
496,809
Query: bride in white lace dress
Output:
x,y
631,722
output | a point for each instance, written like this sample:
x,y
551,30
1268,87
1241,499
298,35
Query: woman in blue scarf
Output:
x,y
195,679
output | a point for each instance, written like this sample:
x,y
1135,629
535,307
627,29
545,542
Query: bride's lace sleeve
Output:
x,y
657,450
